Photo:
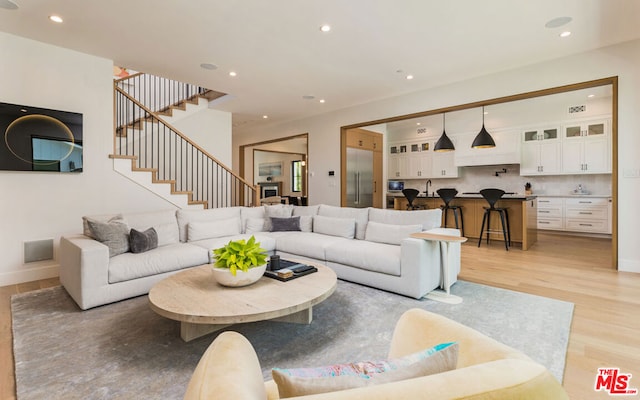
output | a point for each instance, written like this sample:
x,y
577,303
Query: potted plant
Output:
x,y
239,263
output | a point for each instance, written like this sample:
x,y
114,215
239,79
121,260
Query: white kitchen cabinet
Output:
x,y
585,148
575,214
419,166
397,166
443,165
550,213
540,153
507,150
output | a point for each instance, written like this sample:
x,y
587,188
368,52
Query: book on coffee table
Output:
x,y
289,270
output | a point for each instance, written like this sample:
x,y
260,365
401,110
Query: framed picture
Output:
x,y
270,169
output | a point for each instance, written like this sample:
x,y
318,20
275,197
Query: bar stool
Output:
x,y
447,195
492,196
410,195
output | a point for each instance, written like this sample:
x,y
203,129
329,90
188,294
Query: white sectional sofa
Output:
x,y
368,246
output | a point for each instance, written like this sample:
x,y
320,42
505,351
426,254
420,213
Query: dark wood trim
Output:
x,y
612,80
241,158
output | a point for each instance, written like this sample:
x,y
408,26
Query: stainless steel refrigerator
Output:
x,y
359,178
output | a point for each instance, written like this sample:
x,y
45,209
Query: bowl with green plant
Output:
x,y
239,263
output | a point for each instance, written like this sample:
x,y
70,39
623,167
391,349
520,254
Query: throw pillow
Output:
x,y
114,234
306,381
143,241
306,223
285,224
387,233
100,218
213,229
344,227
278,211
253,225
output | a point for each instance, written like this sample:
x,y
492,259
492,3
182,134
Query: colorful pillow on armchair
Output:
x,y
306,381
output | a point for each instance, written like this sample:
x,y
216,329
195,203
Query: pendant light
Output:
x,y
483,140
444,143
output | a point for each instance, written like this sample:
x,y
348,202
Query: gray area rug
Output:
x,y
126,351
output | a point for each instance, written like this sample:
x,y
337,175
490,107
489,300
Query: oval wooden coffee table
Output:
x,y
202,306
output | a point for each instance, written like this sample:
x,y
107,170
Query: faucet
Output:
x,y
428,184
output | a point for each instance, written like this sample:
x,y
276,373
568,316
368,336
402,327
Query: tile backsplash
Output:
x,y
472,179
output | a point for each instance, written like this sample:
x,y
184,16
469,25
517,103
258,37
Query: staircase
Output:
x,y
154,154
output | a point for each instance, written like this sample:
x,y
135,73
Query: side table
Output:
x,y
445,295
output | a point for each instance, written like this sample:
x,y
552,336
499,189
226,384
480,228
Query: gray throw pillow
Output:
x,y
143,241
113,234
285,224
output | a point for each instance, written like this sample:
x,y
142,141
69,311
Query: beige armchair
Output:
x,y
487,369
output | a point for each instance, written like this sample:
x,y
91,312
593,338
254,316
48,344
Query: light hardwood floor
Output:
x,y
606,320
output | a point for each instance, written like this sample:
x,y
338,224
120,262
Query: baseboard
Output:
x,y
629,266
28,275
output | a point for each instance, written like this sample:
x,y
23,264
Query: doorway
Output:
x,y
279,166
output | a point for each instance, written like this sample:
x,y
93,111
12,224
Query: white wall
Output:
x,y
622,60
45,205
211,130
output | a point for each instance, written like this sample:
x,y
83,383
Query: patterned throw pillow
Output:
x,y
143,241
306,381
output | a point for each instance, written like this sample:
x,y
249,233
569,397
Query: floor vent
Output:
x,y
38,250
577,109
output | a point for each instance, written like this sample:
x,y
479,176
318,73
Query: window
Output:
x,y
296,175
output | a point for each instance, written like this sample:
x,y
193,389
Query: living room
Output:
x,y
38,206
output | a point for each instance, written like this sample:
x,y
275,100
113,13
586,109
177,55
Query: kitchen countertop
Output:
x,y
511,196
574,195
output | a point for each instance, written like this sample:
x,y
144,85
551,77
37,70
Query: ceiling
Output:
x,y
280,55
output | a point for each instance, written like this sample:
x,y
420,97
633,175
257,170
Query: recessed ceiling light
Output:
x,y
233,73
208,66
418,123
325,28
56,18
265,116
8,5
409,77
591,95
321,100
565,34
558,22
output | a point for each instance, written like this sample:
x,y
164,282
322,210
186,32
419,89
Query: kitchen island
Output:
x,y
522,210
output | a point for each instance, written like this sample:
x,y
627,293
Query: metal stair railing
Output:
x,y
157,146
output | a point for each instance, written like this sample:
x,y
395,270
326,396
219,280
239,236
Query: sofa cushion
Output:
x,y
331,378
139,242
247,213
390,234
285,224
307,244
184,217
253,225
362,254
198,230
173,257
361,215
164,222
428,218
306,223
113,233
343,227
305,210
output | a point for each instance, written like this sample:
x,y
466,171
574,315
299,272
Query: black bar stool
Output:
x,y
410,195
492,196
447,195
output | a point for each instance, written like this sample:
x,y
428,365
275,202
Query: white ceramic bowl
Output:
x,y
224,277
